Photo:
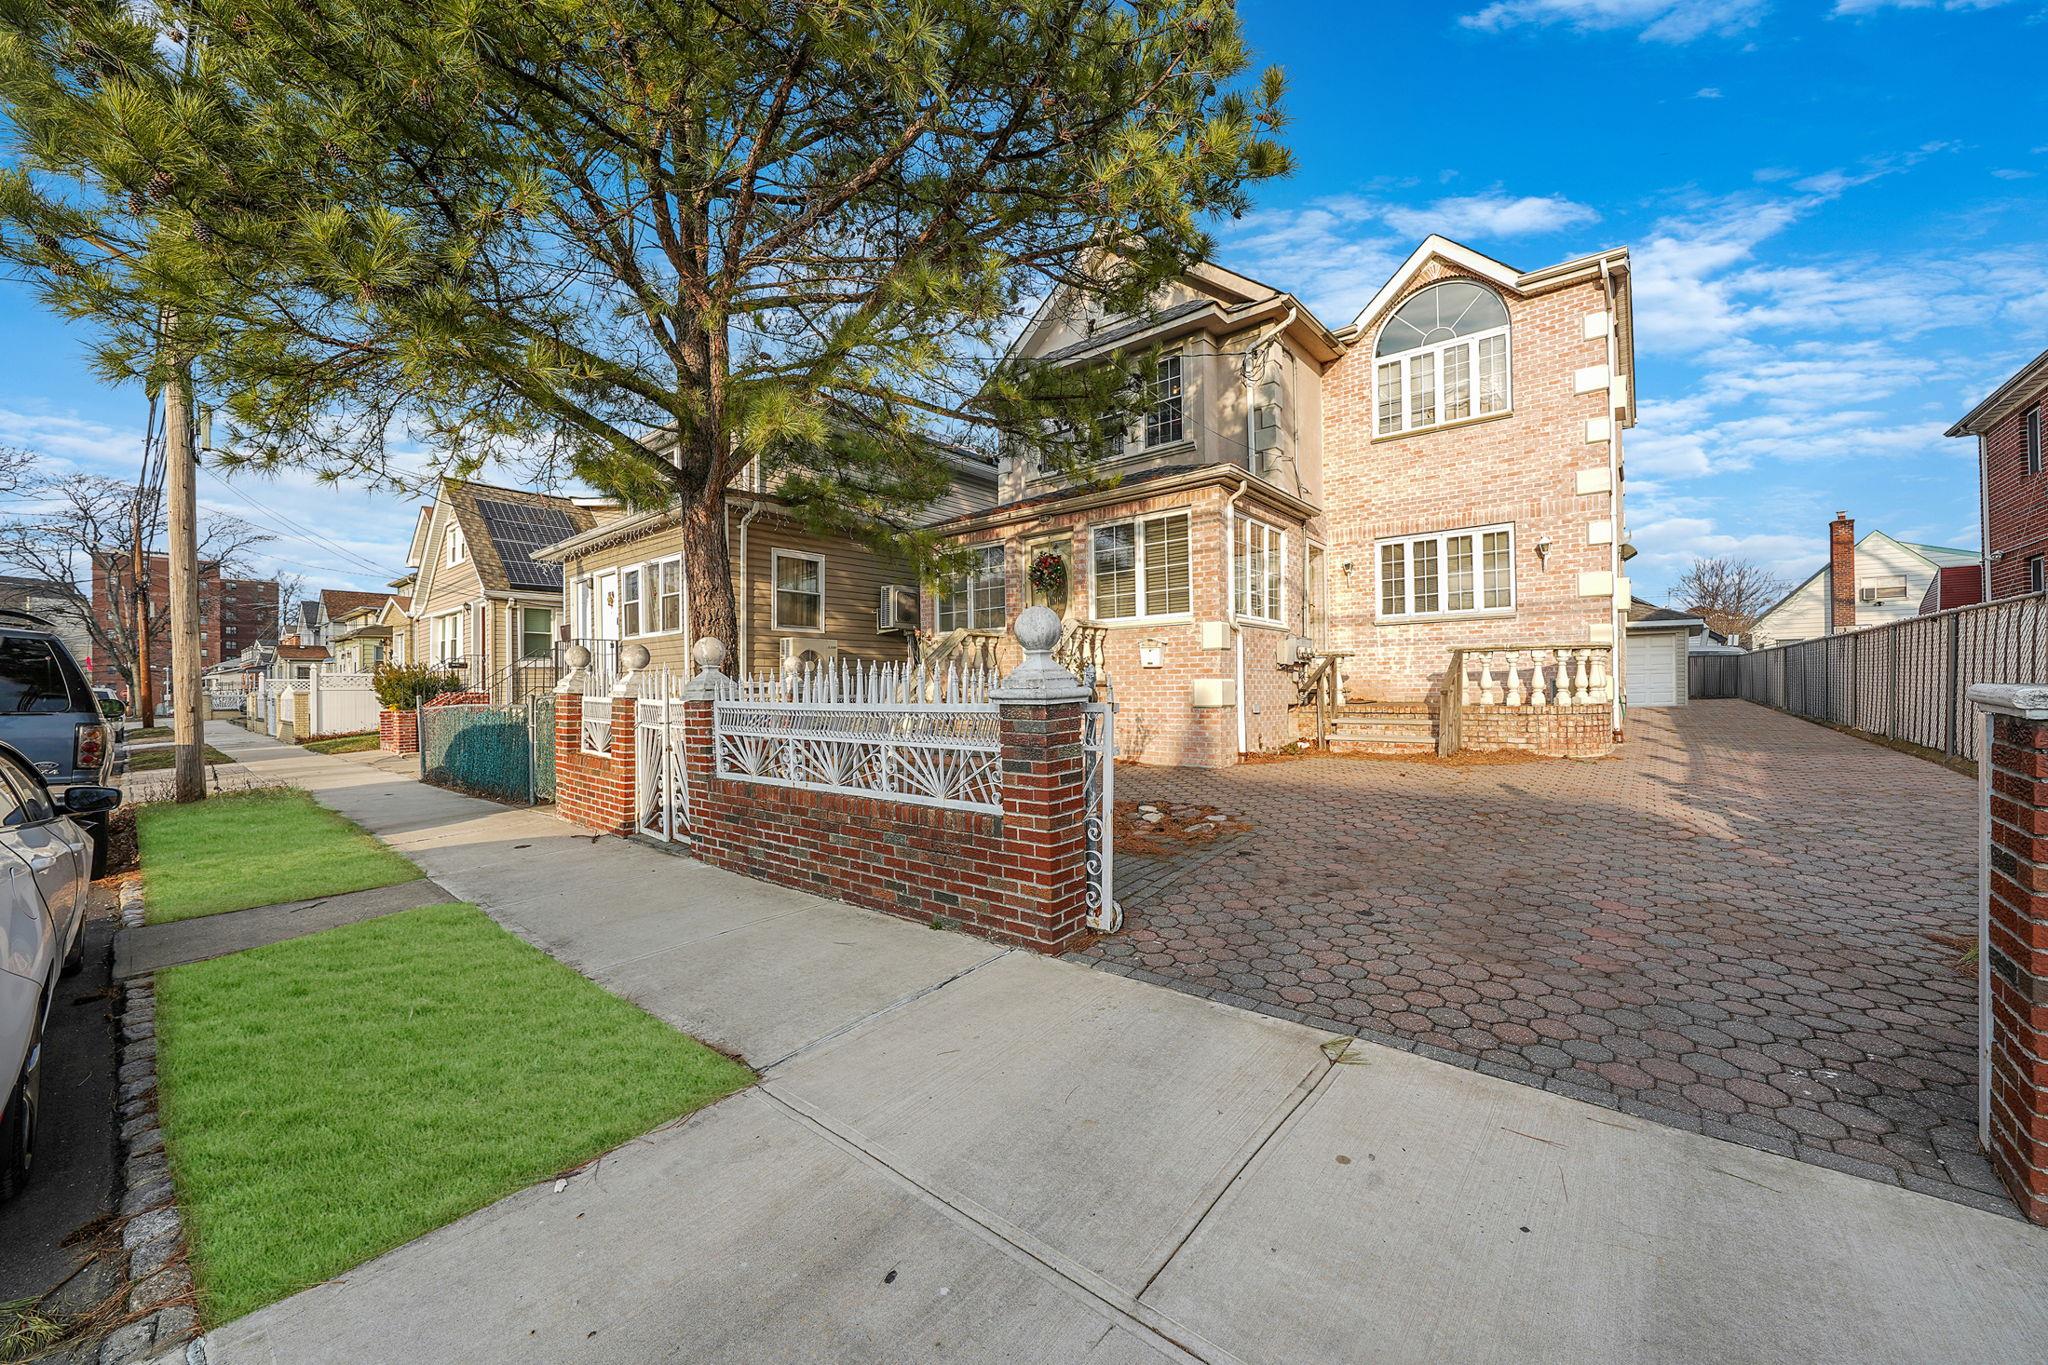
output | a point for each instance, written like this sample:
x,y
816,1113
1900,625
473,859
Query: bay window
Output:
x,y
1258,552
666,581
975,600
1140,569
1448,573
1429,353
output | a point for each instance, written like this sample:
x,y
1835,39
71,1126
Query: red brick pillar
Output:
x,y
1045,847
2013,939
1045,843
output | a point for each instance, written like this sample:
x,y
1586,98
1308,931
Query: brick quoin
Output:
x,y
2016,950
1019,876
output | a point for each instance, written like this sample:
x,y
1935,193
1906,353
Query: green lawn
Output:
x,y
343,744
331,1097
152,760
254,848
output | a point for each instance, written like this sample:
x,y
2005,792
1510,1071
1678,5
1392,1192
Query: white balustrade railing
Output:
x,y
1538,675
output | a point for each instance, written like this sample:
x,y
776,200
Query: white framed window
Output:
x,y
660,586
629,602
1883,588
1447,573
455,549
584,620
1140,569
447,637
2032,456
1441,358
2037,576
977,599
799,601
1257,555
1163,420
536,633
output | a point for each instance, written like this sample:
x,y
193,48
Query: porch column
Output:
x,y
1045,843
2012,940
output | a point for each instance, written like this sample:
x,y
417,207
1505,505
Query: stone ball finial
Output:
x,y
576,656
709,653
634,657
1038,630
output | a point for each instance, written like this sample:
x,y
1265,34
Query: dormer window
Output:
x,y
1442,358
457,547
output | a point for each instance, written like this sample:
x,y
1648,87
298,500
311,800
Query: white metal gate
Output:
x,y
662,793
1098,771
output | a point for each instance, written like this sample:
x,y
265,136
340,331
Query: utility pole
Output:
x,y
138,568
182,485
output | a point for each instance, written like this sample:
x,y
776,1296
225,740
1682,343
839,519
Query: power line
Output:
x,y
307,534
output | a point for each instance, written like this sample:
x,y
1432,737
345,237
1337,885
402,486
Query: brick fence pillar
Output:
x,y
1045,842
2013,939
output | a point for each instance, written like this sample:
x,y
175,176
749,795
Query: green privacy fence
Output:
x,y
506,752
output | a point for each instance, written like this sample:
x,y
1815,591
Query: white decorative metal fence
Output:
x,y
1907,681
661,789
1098,772
597,725
866,728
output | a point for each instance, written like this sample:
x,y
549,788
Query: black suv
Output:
x,y
49,712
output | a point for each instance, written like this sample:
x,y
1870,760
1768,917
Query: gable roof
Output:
x,y
340,601
1936,557
502,528
2031,379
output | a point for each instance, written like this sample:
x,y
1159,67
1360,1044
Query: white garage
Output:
x,y
1654,662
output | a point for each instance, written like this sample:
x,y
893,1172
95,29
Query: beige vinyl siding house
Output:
x,y
1892,576
795,590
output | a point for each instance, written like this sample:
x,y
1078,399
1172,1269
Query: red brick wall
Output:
x,y
1841,574
1018,876
2018,915
595,790
1553,731
1519,469
2018,505
398,732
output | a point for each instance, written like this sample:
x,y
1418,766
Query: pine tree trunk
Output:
x,y
708,571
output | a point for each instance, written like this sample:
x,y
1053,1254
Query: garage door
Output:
x,y
1652,669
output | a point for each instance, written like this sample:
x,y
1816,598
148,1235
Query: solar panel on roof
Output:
x,y
517,530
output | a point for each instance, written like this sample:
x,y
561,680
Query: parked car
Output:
x,y
45,858
49,713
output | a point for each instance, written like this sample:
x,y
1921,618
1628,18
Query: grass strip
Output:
x,y
343,744
331,1097
254,848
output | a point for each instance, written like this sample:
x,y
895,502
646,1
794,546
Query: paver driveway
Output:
x,y
1746,925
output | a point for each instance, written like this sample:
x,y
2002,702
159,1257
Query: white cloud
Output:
x,y
1492,214
1669,21
1707,92
2011,173
1848,8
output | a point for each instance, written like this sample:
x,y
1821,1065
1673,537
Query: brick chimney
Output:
x,y
1841,574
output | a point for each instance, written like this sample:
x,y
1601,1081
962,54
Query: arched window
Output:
x,y
1442,357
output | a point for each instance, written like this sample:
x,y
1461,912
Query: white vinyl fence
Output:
x,y
1907,681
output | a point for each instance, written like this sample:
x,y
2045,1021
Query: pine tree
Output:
x,y
649,241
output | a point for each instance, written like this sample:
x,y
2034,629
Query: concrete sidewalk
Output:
x,y
963,1152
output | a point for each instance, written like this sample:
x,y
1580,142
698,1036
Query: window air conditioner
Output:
x,y
1866,594
800,653
896,609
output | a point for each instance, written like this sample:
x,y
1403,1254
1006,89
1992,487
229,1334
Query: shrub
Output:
x,y
401,687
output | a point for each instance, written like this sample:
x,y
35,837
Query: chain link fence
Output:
x,y
1909,681
503,752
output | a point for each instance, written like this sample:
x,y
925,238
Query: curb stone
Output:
x,y
154,1282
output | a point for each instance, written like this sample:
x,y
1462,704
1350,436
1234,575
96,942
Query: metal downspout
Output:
x,y
1230,589
745,665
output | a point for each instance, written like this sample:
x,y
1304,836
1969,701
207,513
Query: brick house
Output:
x,y
234,613
1441,474
2012,489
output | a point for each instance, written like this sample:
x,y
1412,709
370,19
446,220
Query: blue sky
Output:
x,y
1838,211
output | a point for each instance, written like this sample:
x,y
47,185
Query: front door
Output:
x,y
608,606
